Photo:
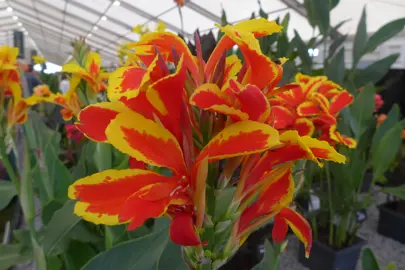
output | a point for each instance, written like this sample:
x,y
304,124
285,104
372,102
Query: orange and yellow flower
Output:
x,y
91,73
219,110
42,90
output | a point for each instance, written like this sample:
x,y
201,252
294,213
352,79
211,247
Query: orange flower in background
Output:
x,y
311,106
42,90
180,3
219,110
70,104
9,74
91,73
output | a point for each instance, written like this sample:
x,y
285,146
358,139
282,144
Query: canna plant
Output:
x,y
186,145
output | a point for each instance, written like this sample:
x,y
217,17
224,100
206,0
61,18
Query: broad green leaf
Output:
x,y
7,193
369,261
223,200
171,258
362,109
103,156
62,222
387,150
142,253
390,121
374,72
14,254
360,39
78,254
335,71
321,15
385,33
114,235
49,209
336,44
396,191
303,54
310,13
271,257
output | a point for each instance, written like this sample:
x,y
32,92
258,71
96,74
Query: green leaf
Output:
x,y
336,44
7,193
396,191
78,254
171,258
333,4
310,12
362,110
303,54
270,259
223,200
142,253
360,39
62,222
321,15
14,254
389,122
335,71
383,34
387,150
114,235
369,261
374,72
103,156
285,22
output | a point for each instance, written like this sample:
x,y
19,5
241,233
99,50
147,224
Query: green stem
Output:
x,y
331,211
8,166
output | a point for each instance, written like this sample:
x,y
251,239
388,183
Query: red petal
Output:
x,y
182,231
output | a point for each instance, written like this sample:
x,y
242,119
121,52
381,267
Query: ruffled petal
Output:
x,y
298,225
145,140
94,119
101,196
238,139
182,231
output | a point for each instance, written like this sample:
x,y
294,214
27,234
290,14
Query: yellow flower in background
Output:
x,y
142,29
9,73
91,73
42,91
38,59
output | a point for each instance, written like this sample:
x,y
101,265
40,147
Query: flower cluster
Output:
x,y
10,89
177,112
311,106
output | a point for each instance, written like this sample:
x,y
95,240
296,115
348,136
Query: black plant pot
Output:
x,y
324,257
391,222
251,252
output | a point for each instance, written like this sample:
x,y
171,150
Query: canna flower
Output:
x,y
91,73
70,104
157,143
9,74
311,105
259,70
218,110
17,107
42,90
73,133
39,59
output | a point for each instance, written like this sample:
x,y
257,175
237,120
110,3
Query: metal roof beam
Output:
x,y
80,19
100,45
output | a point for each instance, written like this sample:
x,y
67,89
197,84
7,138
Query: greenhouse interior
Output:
x,y
127,134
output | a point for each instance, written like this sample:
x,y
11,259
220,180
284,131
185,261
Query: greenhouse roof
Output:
x,y
51,25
